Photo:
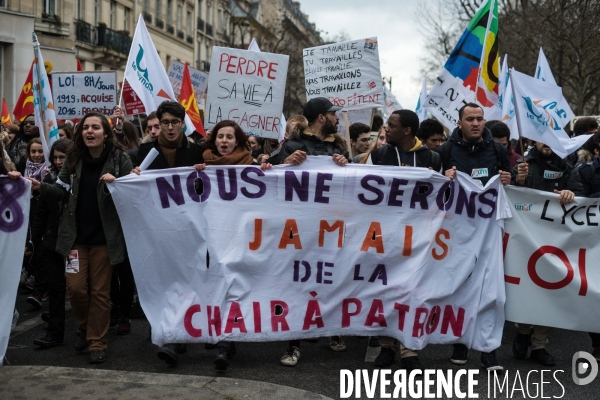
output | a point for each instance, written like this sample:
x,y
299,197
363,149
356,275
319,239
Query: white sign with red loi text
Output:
x,y
346,73
78,93
352,250
247,87
551,262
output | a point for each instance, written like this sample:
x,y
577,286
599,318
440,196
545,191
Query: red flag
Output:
x,y
24,105
5,118
79,68
187,99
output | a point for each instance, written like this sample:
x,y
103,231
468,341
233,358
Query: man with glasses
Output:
x,y
174,150
360,139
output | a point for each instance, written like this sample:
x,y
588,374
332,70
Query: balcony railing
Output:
x,y
205,66
209,29
170,29
147,17
200,24
159,23
180,34
189,39
102,36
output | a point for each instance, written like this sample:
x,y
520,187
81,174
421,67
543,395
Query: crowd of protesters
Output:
x,y
74,226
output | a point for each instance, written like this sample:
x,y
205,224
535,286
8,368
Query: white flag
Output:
x,y
544,73
146,76
508,111
420,110
254,47
390,103
541,113
43,105
502,81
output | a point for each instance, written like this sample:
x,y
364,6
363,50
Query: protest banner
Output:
x,y
550,261
349,250
347,73
14,219
247,87
78,93
131,101
363,116
199,79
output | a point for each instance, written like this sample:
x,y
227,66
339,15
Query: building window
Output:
x,y
207,48
157,9
49,7
96,11
199,8
126,19
146,5
220,20
112,15
78,9
169,11
208,13
189,23
168,61
179,16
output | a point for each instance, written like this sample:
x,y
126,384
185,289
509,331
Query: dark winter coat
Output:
x,y
424,158
312,145
590,178
185,156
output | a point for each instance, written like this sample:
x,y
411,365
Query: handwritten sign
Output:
x,y
78,93
199,79
131,101
247,87
363,116
347,73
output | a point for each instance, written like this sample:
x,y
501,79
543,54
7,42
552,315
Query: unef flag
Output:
x,y
145,73
45,118
24,104
5,119
541,113
187,99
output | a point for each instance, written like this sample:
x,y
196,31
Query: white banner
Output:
x,y
347,73
78,93
14,219
199,79
552,278
247,87
349,250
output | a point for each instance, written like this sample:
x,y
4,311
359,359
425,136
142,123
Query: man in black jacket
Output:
x,y
404,149
543,170
318,139
472,150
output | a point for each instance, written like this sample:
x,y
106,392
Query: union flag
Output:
x,y
24,104
187,99
5,118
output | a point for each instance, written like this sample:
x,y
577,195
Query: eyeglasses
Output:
x,y
166,122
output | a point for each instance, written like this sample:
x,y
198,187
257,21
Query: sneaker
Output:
x,y
45,296
81,343
490,362
45,317
48,341
221,362
543,357
596,353
180,348
291,357
337,344
114,316
385,358
35,301
459,355
124,326
167,355
29,283
411,364
520,345
97,356
374,341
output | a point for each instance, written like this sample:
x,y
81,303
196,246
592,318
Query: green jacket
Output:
x,y
67,230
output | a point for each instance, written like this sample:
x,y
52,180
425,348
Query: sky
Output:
x,y
394,24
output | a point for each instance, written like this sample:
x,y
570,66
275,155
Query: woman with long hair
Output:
x,y
90,234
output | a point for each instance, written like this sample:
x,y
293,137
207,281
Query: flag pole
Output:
x,y
487,31
40,108
121,101
512,86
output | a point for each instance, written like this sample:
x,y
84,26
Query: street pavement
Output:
x,y
132,357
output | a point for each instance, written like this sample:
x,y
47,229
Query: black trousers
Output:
x,y
122,287
54,266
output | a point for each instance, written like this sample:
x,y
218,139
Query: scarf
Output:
x,y
168,148
239,156
35,170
